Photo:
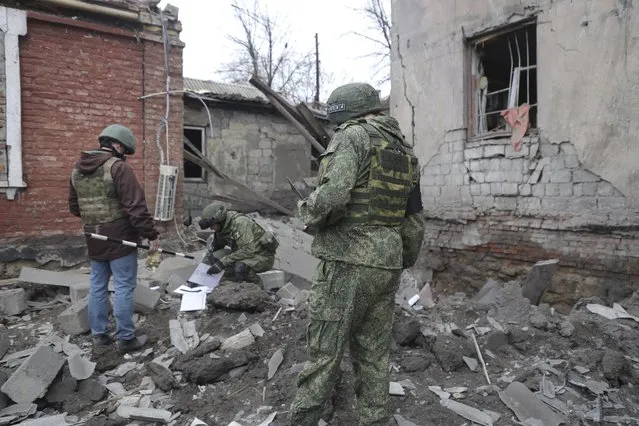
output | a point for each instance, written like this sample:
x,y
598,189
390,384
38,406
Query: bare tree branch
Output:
x,y
263,50
375,13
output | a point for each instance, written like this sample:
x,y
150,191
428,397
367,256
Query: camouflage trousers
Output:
x,y
259,263
350,305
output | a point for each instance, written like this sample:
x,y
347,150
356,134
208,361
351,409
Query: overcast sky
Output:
x,y
206,24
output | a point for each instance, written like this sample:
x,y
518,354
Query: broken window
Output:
x,y
504,76
195,135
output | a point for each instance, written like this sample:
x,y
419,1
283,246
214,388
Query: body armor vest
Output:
x,y
97,196
380,196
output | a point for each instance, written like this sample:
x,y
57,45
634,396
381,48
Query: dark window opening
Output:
x,y
504,75
195,135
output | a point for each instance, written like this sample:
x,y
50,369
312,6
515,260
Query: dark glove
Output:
x,y
216,267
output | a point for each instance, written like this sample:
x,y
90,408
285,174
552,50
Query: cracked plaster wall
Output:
x,y
588,63
572,191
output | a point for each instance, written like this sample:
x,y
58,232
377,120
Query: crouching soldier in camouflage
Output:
x,y
365,215
252,248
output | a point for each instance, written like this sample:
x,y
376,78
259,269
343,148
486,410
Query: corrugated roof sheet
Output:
x,y
225,91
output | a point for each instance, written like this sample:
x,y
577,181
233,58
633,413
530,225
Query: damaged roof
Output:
x,y
225,91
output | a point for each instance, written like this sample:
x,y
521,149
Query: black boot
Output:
x,y
132,345
102,340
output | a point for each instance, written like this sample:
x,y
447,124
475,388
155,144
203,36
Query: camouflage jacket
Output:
x,y
244,236
345,160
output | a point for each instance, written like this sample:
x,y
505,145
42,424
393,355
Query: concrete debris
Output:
x,y
256,330
526,405
401,421
396,389
7,420
79,292
405,332
471,363
122,369
242,296
60,279
177,336
293,254
92,389
274,363
197,422
5,342
539,280
272,280
75,319
487,295
437,390
144,414
116,388
161,375
19,410
616,312
210,370
408,384
467,412
495,324
32,379
145,300
238,341
58,420
426,298
242,318
289,291
13,301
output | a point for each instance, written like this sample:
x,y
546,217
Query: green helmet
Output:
x,y
215,212
351,101
120,134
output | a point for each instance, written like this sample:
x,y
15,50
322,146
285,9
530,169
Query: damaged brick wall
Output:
x,y
74,83
4,165
495,211
254,145
75,80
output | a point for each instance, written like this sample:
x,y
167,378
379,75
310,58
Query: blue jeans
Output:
x,y
125,276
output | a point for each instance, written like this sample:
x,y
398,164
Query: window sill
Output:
x,y
10,190
500,137
195,180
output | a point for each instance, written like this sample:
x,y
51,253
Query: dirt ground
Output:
x,y
536,344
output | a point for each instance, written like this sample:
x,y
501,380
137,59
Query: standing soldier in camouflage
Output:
x,y
365,216
252,248
109,200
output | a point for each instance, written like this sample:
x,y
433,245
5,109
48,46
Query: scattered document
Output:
x,y
200,277
195,301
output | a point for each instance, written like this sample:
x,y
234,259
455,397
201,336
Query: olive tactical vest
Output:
x,y
385,180
97,196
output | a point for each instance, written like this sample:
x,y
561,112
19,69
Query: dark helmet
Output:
x,y
119,133
351,101
214,212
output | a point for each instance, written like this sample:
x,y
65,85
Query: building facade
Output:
x,y
567,74
67,70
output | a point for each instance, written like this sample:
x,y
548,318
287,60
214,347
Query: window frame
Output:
x,y
473,94
202,130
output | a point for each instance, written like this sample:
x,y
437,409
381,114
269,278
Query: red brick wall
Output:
x,y
74,82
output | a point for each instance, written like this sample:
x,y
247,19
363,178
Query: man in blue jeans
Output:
x,y
105,194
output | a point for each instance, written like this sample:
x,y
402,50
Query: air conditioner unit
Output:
x,y
165,199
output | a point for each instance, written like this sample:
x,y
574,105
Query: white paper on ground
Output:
x,y
193,301
200,277
185,289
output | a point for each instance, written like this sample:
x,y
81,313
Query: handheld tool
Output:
x,y
132,244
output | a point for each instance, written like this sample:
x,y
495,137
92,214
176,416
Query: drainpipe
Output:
x,y
94,8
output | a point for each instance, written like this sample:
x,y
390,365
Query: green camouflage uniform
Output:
x,y
352,295
249,243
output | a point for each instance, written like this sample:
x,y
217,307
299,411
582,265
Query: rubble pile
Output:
x,y
493,358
